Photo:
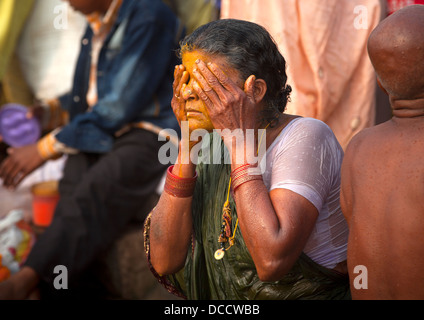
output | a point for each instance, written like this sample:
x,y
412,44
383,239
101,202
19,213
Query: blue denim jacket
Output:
x,y
134,78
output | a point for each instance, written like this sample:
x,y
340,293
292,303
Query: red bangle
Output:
x,y
241,175
177,186
241,168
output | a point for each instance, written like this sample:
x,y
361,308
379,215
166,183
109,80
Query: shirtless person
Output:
x,y
383,170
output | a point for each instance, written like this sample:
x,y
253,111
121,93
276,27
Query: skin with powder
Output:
x,y
383,172
196,111
189,106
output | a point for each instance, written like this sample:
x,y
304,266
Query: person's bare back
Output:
x,y
383,171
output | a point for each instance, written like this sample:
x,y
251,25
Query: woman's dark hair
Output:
x,y
250,49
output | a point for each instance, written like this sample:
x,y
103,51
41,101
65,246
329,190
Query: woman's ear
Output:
x,y
256,88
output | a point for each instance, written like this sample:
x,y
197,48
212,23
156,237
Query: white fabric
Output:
x,y
306,158
48,50
48,47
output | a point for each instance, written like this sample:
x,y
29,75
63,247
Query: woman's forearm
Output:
x,y
276,226
260,227
171,227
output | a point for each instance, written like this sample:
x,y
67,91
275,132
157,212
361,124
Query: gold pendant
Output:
x,y
219,254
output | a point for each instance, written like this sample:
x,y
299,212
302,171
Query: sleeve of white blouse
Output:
x,y
308,161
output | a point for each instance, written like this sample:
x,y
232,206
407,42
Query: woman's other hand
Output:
x,y
181,78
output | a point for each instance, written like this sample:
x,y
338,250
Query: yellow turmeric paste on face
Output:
x,y
196,109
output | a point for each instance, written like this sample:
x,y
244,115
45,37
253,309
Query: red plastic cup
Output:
x,y
45,196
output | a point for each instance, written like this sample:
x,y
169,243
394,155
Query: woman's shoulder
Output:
x,y
310,122
305,133
310,127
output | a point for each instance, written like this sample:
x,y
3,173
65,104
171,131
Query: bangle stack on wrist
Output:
x,y
46,147
242,175
179,187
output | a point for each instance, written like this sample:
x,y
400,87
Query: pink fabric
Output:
x,y
394,5
324,43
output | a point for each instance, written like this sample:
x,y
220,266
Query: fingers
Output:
x,y
209,84
35,111
204,90
30,113
178,103
177,78
202,94
215,79
18,179
8,172
183,83
19,163
180,78
215,88
222,78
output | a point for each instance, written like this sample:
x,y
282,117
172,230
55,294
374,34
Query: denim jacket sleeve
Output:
x,y
134,81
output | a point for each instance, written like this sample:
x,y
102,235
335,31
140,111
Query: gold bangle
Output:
x,y
45,147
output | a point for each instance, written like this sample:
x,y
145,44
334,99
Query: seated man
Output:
x,y
119,102
383,171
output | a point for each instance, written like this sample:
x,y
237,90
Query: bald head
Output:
x,y
396,50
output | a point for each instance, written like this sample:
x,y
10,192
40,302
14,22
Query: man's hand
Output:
x,y
22,285
36,110
19,163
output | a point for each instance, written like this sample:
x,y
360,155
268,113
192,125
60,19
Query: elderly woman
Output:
x,y
239,228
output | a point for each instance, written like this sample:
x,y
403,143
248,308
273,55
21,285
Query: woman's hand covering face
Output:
x,y
178,102
229,106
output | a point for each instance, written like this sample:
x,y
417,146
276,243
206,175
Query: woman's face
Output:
x,y
197,114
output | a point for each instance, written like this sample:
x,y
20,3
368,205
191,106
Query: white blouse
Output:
x,y
306,158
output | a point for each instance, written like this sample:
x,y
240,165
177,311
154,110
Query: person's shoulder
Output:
x,y
301,122
148,8
313,127
365,143
367,136
153,14
313,123
305,131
